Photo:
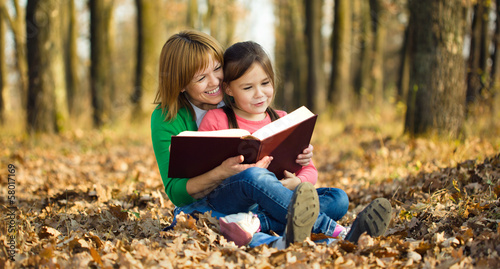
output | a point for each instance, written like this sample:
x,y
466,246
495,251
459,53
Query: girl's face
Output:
x,y
204,89
252,92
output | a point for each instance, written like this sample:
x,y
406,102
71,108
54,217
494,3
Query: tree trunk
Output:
x,y
404,67
474,73
377,68
291,92
71,57
100,56
43,47
3,69
495,67
192,18
148,46
221,19
437,99
316,98
362,80
340,90
21,32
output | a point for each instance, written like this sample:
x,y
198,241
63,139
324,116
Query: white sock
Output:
x,y
280,244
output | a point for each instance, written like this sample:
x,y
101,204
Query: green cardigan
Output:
x,y
161,133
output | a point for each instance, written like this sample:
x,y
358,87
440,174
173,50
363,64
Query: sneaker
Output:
x,y
239,228
339,232
373,220
303,211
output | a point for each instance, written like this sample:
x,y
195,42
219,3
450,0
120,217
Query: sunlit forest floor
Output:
x,y
95,198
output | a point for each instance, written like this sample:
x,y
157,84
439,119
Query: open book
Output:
x,y
194,153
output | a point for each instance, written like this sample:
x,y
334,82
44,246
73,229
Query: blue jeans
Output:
x,y
258,190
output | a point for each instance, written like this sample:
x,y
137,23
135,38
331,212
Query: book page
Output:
x,y
218,133
298,115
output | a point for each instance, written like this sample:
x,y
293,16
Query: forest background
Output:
x,y
407,93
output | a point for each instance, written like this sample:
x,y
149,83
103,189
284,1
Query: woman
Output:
x,y
189,84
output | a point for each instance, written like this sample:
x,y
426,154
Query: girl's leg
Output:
x,y
253,186
259,186
333,202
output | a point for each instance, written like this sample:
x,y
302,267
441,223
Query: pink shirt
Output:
x,y
216,119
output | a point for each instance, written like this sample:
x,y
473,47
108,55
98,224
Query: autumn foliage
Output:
x,y
95,199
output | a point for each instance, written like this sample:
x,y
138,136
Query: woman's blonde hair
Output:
x,y
184,54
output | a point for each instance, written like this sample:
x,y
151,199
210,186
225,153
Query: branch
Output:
x,y
5,13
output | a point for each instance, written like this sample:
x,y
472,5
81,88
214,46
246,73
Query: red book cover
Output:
x,y
283,139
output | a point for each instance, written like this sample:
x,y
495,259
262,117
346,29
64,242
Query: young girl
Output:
x,y
248,93
248,86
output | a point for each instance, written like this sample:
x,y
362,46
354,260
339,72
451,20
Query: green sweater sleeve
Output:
x,y
161,133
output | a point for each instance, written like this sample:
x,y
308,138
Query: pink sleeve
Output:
x,y
308,173
214,120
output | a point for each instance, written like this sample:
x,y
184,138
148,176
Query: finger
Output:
x,y
264,162
304,162
235,160
309,149
288,174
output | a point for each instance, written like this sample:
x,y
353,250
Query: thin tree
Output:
x,y
316,88
340,78
495,66
21,31
437,89
192,18
100,56
479,50
362,75
70,56
404,67
3,69
379,15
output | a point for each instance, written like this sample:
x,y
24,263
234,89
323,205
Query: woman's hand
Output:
x,y
305,158
290,181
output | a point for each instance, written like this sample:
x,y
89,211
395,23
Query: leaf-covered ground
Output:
x,y
95,199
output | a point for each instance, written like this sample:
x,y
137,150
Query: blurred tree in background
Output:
x,y
94,63
47,106
436,102
3,68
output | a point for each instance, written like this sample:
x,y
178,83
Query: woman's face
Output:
x,y
204,89
252,92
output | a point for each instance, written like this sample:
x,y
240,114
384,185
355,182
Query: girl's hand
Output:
x,y
305,158
232,166
290,181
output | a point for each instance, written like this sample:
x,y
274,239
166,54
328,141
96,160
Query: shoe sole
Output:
x,y
373,220
302,213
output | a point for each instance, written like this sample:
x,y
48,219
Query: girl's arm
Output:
x,y
307,173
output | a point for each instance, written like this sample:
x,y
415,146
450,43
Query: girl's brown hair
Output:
x,y
238,58
181,57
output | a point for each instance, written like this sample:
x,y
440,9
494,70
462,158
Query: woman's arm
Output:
x,y
183,191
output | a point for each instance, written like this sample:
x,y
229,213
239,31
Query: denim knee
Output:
x,y
343,200
257,174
